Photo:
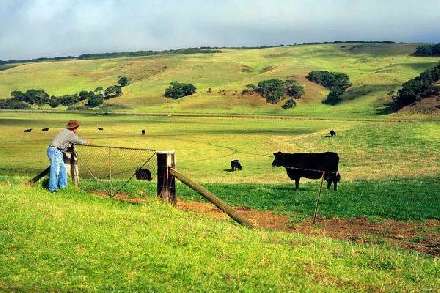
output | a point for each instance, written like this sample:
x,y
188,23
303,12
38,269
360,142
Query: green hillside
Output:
x,y
374,69
79,242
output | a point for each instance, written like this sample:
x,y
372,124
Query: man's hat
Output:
x,y
72,124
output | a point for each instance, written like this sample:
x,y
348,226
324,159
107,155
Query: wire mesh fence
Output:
x,y
114,169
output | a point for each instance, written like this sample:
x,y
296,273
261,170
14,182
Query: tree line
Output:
x,y
39,97
416,89
427,50
336,82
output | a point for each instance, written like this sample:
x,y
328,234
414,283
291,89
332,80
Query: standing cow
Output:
x,y
310,165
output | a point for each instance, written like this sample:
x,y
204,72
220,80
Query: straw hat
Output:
x,y
72,124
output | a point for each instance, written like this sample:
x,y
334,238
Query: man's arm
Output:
x,y
73,138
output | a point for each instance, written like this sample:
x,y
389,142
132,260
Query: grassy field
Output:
x,y
205,145
74,241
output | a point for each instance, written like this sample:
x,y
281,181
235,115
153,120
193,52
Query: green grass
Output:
x,y
205,145
398,199
72,241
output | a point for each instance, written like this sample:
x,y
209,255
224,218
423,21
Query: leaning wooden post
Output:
x,y
166,183
212,198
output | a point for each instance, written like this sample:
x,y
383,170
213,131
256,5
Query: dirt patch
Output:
x,y
429,105
420,236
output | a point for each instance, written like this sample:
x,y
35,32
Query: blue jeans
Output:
x,y
58,172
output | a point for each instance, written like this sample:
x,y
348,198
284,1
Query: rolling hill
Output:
x,y
374,69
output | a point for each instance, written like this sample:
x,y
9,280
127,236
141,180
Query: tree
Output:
x,y
112,92
178,90
427,50
32,96
95,101
272,90
294,89
337,82
123,81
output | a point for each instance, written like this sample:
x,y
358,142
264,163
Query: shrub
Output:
x,y
290,103
427,50
337,82
178,90
13,103
417,88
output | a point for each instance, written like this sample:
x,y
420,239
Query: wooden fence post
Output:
x,y
74,166
166,183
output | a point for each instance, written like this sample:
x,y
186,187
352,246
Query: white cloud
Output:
x,y
34,28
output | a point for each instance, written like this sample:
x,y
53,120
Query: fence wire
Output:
x,y
112,168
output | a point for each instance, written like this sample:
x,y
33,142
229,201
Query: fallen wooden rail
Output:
x,y
39,176
212,198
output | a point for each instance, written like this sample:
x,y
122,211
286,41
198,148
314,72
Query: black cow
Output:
x,y
100,128
235,165
332,133
143,174
45,129
143,131
310,165
28,130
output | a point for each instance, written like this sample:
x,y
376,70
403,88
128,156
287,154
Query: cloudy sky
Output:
x,y
35,28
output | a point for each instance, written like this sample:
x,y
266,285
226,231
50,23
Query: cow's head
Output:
x,y
277,162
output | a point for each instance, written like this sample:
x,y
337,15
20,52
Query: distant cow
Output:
x,y
100,128
143,174
28,130
45,129
235,165
143,131
331,133
310,165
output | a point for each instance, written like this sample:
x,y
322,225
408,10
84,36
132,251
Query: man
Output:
x,y
64,139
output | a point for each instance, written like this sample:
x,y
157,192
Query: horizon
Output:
x,y
256,46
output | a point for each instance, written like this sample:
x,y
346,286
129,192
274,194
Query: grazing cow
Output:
x,y
45,129
100,128
143,131
143,174
28,130
235,165
310,165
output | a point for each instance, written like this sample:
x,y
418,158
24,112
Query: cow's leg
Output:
x,y
329,183
296,183
335,183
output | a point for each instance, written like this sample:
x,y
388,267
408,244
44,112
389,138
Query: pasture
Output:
x,y
379,232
